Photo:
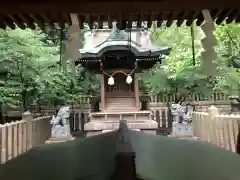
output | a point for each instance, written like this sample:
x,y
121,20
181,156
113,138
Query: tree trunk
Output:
x,y
2,115
24,100
38,105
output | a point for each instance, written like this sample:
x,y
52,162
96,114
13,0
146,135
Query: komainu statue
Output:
x,y
60,123
177,112
180,113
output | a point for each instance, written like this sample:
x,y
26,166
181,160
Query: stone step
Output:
x,y
185,137
59,139
120,101
119,98
120,107
117,107
119,110
105,131
120,104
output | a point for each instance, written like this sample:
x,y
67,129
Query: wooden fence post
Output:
x,y
9,141
158,118
212,112
27,116
164,119
3,143
20,137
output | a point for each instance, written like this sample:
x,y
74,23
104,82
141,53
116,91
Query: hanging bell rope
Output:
x,y
129,78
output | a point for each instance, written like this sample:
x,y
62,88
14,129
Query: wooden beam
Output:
x,y
232,16
150,20
100,22
67,18
170,20
110,25
121,20
81,20
96,7
223,15
215,13
27,21
130,21
200,19
47,19
140,19
63,20
192,17
10,23
237,18
17,21
2,23
38,21
89,21
181,17
159,20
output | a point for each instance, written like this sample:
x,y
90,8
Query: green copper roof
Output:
x,y
121,40
117,35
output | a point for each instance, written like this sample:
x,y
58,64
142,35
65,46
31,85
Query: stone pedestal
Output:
x,y
59,139
60,130
105,122
182,131
60,133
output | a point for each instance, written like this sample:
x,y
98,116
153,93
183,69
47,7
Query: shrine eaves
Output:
x,y
26,13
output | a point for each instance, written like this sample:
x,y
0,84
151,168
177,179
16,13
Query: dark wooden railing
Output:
x,y
124,166
164,121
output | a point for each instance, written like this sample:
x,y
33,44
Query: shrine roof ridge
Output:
x,y
137,49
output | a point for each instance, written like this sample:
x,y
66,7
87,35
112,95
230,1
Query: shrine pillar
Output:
x,y
102,91
136,90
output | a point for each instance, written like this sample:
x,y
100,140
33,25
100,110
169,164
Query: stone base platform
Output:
x,y
99,127
116,116
101,122
183,131
59,139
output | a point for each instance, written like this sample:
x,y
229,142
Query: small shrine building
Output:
x,y
118,56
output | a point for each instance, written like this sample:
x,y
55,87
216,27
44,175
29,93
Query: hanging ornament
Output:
x,y
208,43
110,81
129,79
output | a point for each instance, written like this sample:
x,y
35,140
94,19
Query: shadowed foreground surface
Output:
x,y
157,158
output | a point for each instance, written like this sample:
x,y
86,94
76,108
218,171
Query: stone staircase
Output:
x,y
123,104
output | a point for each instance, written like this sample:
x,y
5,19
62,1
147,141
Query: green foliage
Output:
x,y
180,76
229,61
30,71
177,75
